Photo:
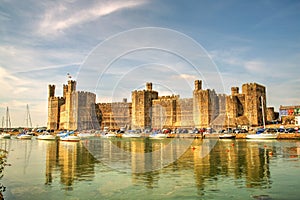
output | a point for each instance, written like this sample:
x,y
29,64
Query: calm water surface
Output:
x,y
126,169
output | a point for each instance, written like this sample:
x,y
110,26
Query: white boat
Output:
x,y
70,138
158,136
46,136
109,135
24,136
261,133
84,135
5,136
131,135
227,136
262,136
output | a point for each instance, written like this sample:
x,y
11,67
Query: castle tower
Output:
x,y
54,104
70,112
65,90
254,95
149,86
234,91
205,105
71,86
51,91
198,85
142,107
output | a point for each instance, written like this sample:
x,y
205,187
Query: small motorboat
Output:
x,y
158,135
46,136
227,136
25,136
131,135
5,136
70,138
109,135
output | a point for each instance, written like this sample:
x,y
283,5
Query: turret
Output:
x,y
149,86
198,85
71,86
51,90
234,91
65,90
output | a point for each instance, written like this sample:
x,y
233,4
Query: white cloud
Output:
x,y
64,16
255,66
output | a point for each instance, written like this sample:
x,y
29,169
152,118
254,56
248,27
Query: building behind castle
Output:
x,y
78,110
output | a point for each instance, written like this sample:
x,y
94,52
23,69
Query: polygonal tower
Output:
x,y
142,107
255,103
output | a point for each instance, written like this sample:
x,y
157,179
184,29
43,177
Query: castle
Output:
x,y
77,110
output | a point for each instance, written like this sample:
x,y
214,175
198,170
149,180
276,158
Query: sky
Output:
x,y
113,47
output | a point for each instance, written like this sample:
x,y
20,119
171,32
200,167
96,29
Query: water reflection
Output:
x,y
239,159
164,166
244,161
72,161
137,155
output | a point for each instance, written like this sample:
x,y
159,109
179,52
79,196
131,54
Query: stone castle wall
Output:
x,y
115,115
78,110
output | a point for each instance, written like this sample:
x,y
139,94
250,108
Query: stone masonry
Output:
x,y
206,108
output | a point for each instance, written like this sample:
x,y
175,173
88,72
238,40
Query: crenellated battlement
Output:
x,y
201,110
56,98
168,97
85,93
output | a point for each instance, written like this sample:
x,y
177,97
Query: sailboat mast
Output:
x,y
263,111
28,118
161,117
7,119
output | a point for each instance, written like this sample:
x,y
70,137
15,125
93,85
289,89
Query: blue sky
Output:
x,y
230,43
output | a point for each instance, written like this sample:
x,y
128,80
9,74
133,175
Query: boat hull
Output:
x,y
5,136
131,135
46,137
262,136
24,137
158,136
227,136
109,135
70,138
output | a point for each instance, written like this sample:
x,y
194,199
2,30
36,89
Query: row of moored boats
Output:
x,y
71,136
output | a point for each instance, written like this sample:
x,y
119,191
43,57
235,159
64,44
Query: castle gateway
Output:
x,y
77,110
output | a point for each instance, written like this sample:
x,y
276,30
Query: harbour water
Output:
x,y
142,168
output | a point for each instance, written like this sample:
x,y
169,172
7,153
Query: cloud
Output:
x,y
255,66
64,16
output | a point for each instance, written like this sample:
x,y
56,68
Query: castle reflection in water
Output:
x,y
244,161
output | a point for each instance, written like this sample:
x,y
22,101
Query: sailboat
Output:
x,y
107,132
227,134
261,133
6,134
26,134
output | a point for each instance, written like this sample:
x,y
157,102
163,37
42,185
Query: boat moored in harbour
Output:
x,y
262,134
46,136
227,136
